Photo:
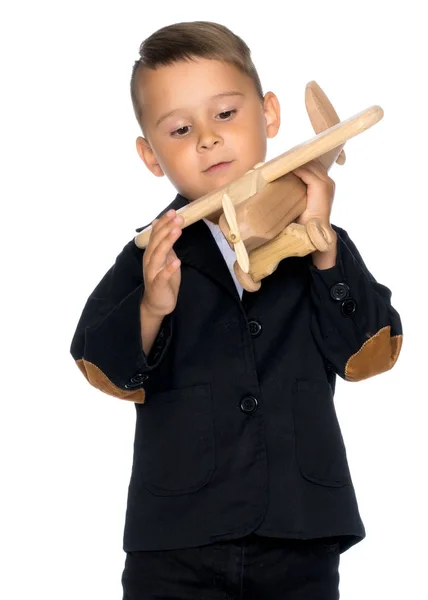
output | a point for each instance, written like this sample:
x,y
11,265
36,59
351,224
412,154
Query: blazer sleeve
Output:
x,y
354,324
107,345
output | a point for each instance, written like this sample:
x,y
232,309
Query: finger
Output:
x,y
306,175
161,228
167,222
320,234
171,256
157,226
315,166
159,256
162,278
311,173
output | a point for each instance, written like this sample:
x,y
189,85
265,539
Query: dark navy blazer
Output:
x,y
236,429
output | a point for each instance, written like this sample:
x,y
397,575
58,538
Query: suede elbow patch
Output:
x,y
377,355
97,378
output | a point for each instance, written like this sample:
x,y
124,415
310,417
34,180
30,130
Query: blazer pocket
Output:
x,y
175,445
320,450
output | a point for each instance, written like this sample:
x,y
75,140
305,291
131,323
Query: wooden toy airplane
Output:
x,y
256,211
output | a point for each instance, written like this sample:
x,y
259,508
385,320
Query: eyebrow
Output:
x,y
223,94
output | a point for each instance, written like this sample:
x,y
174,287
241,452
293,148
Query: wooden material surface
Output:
x,y
256,212
210,205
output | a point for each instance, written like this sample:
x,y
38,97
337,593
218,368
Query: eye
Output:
x,y
228,113
180,129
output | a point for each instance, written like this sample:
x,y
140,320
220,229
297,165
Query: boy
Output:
x,y
240,486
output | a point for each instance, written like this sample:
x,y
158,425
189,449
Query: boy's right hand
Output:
x,y
161,267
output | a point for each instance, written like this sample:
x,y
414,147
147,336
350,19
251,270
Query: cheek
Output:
x,y
250,139
185,158
178,159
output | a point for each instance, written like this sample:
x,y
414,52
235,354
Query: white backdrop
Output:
x,y
74,190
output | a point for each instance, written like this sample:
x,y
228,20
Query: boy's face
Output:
x,y
200,113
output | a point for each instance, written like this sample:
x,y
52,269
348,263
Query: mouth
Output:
x,y
218,167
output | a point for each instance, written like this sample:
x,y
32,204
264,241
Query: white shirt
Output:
x,y
228,254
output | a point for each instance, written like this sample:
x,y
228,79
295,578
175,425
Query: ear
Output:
x,y
272,112
148,157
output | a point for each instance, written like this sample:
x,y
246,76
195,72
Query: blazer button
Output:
x,y
339,291
136,380
349,307
249,404
255,328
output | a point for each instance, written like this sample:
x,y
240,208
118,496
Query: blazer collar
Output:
x,y
197,248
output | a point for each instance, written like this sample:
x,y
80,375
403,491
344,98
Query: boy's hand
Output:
x,y
161,267
320,192
320,195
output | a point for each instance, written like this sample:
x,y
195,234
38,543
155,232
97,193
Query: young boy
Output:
x,y
240,486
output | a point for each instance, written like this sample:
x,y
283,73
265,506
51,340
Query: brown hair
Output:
x,y
184,41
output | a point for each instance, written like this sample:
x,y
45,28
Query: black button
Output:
x,y
249,404
349,307
339,291
136,380
255,328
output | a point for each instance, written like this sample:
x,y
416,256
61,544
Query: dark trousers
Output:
x,y
251,568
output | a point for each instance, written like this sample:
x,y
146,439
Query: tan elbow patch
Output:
x,y
377,355
97,378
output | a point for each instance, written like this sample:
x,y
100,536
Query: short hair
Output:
x,y
185,41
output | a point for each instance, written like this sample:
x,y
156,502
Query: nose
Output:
x,y
208,138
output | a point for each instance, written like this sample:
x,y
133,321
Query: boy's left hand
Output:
x,y
320,195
